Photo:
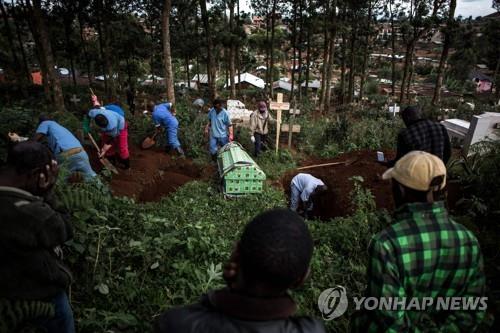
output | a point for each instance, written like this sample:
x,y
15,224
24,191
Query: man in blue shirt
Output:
x,y
219,128
114,135
65,146
164,116
115,108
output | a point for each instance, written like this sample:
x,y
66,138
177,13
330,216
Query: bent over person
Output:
x,y
423,255
65,146
114,135
32,275
164,116
271,257
305,188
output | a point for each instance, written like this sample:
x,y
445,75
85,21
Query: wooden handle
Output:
x,y
320,165
91,91
94,143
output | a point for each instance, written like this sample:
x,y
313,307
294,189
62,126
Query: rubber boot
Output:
x,y
180,152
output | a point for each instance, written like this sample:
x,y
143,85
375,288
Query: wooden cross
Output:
x,y
279,106
74,99
291,128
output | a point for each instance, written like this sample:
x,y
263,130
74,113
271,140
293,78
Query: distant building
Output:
x,y
248,80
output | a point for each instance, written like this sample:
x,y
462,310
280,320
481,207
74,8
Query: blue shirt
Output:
x,y
163,117
59,138
115,108
116,123
219,122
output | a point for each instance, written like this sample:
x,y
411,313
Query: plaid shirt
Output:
x,y
424,135
424,254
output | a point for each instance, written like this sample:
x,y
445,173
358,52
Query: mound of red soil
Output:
x,y
153,174
337,200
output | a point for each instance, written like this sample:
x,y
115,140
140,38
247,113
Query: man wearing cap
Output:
x,y
421,134
423,254
164,116
219,128
259,127
65,147
305,188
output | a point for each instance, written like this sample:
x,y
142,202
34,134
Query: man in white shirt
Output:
x,y
305,188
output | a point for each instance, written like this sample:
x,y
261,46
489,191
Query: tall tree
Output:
x,y
211,70
448,36
331,57
232,50
167,54
42,41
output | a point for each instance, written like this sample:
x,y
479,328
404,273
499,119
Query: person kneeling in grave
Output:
x,y
305,188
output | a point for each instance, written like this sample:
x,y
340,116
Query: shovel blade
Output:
x,y
148,143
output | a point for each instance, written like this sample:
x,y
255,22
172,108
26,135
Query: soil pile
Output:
x,y
153,174
337,201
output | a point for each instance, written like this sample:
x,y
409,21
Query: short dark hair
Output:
x,y
101,120
27,156
412,114
218,101
43,117
275,249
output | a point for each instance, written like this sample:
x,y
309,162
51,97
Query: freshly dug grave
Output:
x,y
337,201
153,174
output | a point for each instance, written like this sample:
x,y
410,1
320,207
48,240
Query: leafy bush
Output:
x,y
15,119
133,261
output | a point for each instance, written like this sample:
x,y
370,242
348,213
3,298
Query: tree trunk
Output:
x,y
238,54
299,46
26,68
102,47
271,52
444,54
308,60
45,50
85,52
10,39
69,46
211,70
232,52
366,53
408,58
294,49
410,77
343,68
324,84
331,58
351,66
167,54
393,51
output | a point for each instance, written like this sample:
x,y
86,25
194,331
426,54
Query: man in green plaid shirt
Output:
x,y
423,254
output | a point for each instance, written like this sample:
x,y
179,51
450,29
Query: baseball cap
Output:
x,y
416,170
262,106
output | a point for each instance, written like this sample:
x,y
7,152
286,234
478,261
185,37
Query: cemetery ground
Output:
x,y
161,239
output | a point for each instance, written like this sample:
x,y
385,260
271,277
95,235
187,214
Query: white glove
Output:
x,y
252,138
16,138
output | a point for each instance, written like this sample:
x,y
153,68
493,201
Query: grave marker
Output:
x,y
279,106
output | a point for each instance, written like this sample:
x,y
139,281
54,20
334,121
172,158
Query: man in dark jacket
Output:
x,y
271,257
31,234
422,134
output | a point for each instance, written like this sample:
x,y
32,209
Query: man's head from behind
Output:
x,y
416,176
274,253
26,161
101,121
411,114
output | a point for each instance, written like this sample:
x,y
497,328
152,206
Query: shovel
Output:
x,y
149,141
104,161
347,163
